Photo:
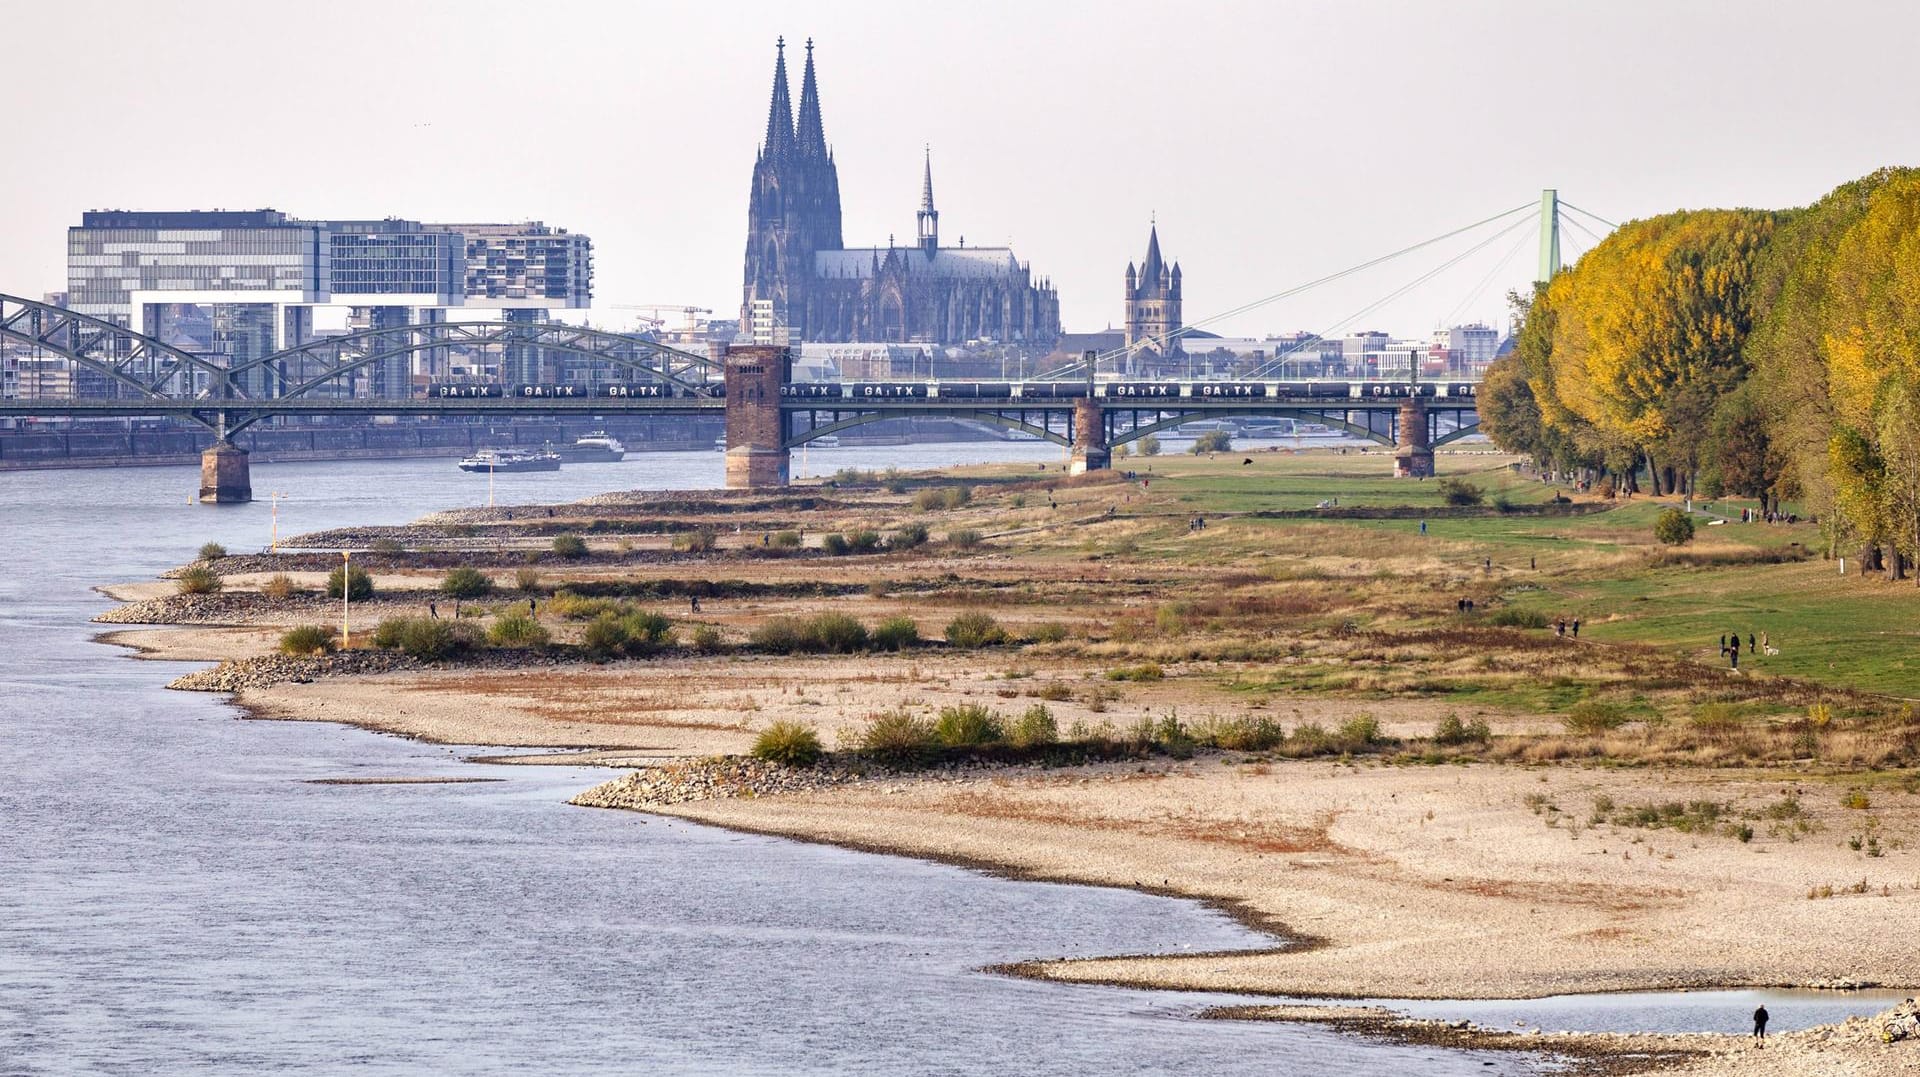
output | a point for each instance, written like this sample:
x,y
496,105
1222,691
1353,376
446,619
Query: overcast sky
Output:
x,y
1276,142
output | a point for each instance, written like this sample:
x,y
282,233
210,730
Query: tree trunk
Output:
x,y
1869,558
1896,563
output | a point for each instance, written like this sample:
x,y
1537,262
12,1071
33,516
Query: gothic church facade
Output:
x,y
823,290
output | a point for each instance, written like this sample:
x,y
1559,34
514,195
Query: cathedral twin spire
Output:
x,y
785,137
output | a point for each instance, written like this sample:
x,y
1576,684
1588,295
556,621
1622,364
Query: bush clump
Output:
x,y
527,580
465,582
1213,441
1461,493
699,540
790,744
908,537
212,551
307,639
1673,527
279,587
899,738
569,547
786,540
1592,717
1452,732
1149,446
835,544
425,638
1508,617
945,497
354,582
1146,671
199,580
967,725
864,541
707,640
1049,632
896,634
975,630
517,629
1034,728
963,538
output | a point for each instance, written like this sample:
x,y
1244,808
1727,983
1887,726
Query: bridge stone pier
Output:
x,y
224,476
1412,455
756,434
1090,450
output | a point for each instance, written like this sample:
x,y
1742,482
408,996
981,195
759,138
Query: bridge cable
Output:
x,y
1280,358
1296,290
1518,244
1590,213
1190,327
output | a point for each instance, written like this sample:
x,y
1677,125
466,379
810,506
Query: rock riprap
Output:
x,y
720,778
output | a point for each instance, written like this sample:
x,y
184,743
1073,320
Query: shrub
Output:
x,y
908,537
1035,727
569,547
1508,617
790,744
864,541
899,738
834,633
786,540
516,629
646,631
278,587
1213,441
1360,731
1240,734
966,725
307,639
928,499
835,544
1452,731
1461,492
963,538
975,630
896,634
387,633
780,635
1050,632
1856,800
1054,691
573,607
465,583
1146,671
1673,527
1593,717
1149,446
699,540
707,639
527,580
354,581
603,638
199,580
212,551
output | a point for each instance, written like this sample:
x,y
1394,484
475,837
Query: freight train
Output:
x,y
866,392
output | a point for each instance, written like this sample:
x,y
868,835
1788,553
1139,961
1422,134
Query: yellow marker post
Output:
x,y
273,538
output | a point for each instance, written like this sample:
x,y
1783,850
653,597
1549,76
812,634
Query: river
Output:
x,y
177,895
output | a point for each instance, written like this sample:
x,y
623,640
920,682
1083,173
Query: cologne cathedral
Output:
x,y
823,290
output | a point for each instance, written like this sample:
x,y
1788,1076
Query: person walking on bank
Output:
x,y
1576,628
1750,646
1760,1024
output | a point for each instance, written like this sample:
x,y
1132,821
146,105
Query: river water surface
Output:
x,y
177,896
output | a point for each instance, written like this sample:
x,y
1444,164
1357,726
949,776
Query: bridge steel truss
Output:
x,y
138,375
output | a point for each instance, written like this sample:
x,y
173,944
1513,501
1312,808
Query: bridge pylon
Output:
x,y
1413,447
757,456
224,475
1090,450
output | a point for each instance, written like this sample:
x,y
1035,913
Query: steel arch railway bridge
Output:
x,y
120,373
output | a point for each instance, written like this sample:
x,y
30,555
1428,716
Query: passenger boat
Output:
x,y
507,460
595,448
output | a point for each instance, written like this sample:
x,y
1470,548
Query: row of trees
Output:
x,y
1761,354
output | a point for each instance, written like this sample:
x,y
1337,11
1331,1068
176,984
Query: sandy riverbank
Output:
x,y
1423,876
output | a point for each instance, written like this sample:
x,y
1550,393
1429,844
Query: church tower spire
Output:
x,y
810,133
929,218
780,110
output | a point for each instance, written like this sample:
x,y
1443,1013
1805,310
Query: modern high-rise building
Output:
x,y
239,285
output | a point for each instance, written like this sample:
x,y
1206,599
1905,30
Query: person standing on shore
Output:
x,y
1760,1024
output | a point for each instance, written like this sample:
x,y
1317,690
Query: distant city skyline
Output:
x,y
1272,143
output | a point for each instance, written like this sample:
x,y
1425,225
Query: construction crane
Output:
x,y
655,308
